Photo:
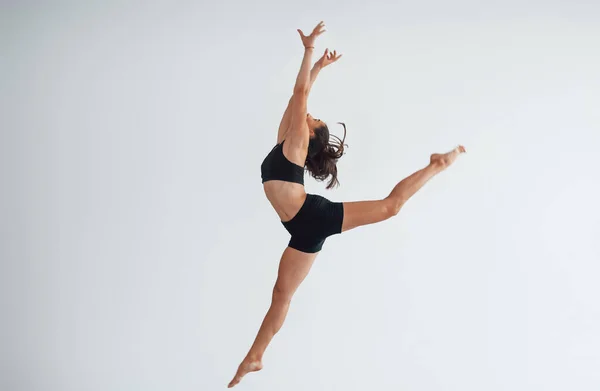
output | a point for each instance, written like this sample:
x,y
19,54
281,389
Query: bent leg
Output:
x,y
293,269
361,213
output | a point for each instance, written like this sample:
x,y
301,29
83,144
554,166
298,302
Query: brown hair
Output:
x,y
324,150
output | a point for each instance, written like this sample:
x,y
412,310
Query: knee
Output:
x,y
281,295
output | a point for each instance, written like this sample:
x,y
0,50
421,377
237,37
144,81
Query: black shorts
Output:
x,y
317,219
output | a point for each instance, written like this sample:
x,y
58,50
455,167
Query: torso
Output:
x,y
286,197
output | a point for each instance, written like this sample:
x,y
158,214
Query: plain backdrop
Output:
x,y
138,251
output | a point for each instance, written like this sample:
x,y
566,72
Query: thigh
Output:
x,y
361,213
293,269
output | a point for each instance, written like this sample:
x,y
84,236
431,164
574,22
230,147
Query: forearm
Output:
x,y
314,72
303,81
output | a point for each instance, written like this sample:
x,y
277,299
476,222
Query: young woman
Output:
x,y
303,142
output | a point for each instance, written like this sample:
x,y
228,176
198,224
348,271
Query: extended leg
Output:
x,y
293,268
361,213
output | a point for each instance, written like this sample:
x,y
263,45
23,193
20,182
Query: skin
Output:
x,y
296,128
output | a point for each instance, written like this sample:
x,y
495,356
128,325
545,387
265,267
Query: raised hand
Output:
x,y
309,41
328,58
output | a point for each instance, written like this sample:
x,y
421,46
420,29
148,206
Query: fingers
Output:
x,y
319,27
318,30
336,56
332,56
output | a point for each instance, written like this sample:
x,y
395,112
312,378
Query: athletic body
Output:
x,y
303,142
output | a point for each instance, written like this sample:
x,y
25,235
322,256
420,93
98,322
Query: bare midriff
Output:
x,y
285,197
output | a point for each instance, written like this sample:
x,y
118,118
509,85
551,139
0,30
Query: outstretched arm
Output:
x,y
298,131
327,59
302,85
286,120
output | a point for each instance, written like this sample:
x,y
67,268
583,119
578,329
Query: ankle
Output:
x,y
253,357
438,163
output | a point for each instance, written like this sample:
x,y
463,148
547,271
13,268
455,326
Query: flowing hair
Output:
x,y
324,150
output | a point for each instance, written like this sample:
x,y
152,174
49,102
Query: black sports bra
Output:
x,y
276,167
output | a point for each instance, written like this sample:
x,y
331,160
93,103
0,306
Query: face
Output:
x,y
313,123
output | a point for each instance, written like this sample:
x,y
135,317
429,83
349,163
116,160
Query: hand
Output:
x,y
309,41
328,58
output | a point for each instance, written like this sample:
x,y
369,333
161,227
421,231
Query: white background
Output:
x,y
138,251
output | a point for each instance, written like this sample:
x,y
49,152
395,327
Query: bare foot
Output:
x,y
248,365
446,159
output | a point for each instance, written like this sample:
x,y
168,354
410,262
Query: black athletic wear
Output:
x,y
277,167
317,219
